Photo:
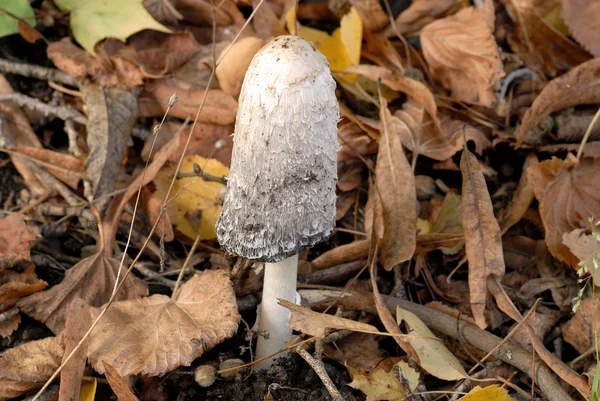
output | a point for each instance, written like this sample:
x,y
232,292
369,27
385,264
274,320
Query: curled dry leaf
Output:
x,y
579,331
15,241
118,384
421,13
569,195
29,365
521,199
483,242
319,324
232,68
371,13
383,382
582,16
584,247
67,168
395,184
14,286
154,335
581,85
542,48
265,21
92,279
463,55
7,327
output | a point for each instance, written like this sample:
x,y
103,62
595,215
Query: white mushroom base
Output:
x,y
279,282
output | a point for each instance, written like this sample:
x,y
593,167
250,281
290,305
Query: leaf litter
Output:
x,y
458,186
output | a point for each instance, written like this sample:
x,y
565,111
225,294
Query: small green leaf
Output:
x,y
93,21
19,8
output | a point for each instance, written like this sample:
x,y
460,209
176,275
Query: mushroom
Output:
x,y
281,188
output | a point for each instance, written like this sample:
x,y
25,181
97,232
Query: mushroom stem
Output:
x,y
279,282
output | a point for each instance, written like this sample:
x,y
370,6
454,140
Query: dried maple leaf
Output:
x,y
541,47
92,279
581,85
154,335
14,286
583,19
568,194
463,55
15,241
29,365
483,242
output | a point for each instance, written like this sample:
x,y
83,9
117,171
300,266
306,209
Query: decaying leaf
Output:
x,y
586,249
449,221
92,279
433,355
67,168
319,324
118,385
569,195
581,85
15,285
112,113
18,8
198,204
383,383
421,13
232,68
582,16
483,242
154,335
371,13
489,393
7,327
395,183
29,365
579,330
463,55
358,350
15,241
521,199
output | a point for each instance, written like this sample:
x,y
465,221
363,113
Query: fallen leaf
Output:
x,y
151,206
579,330
14,286
371,13
112,113
542,48
463,55
483,242
379,50
88,390
319,324
19,8
157,334
198,204
433,356
118,384
358,350
29,365
384,384
7,327
92,279
200,12
344,253
421,13
541,323
92,22
489,393
265,21
67,168
581,85
584,247
232,68
582,16
449,221
522,198
15,241
395,183
569,195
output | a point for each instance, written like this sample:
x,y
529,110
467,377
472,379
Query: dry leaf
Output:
x,y
111,115
344,253
483,242
358,351
569,195
579,330
232,68
92,279
319,324
581,85
421,13
154,335
265,21
118,384
583,246
489,393
67,168
582,17
522,198
395,183
384,384
29,365
433,356
463,55
371,13
449,221
381,51
14,286
198,204
150,207
15,241
7,327
542,48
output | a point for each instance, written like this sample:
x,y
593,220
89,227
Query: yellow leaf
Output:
x,y
490,393
197,205
88,390
382,383
350,32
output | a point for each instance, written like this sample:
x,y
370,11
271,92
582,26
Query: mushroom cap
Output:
x,y
281,189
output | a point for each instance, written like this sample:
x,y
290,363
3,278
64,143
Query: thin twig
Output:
x,y
62,112
34,71
183,269
587,134
4,316
319,368
198,172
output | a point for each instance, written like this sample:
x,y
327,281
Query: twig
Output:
x,y
72,134
62,112
198,172
587,134
34,71
4,316
319,368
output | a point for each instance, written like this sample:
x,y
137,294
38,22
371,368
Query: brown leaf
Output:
x,y
29,365
541,47
568,194
14,286
421,13
463,55
449,221
232,69
371,13
581,85
358,350
344,253
521,199
118,385
78,322
582,16
219,108
355,141
151,204
265,22
579,330
15,241
583,246
483,242
111,115
27,32
67,168
92,279
381,51
154,335
7,327
395,183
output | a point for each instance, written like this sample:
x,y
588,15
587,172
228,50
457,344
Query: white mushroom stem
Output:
x,y
279,282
